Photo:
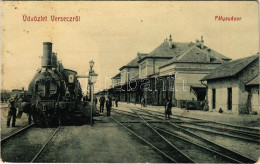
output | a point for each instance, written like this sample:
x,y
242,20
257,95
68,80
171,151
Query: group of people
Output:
x,y
105,102
108,102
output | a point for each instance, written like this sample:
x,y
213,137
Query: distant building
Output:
x,y
234,86
129,73
5,95
131,70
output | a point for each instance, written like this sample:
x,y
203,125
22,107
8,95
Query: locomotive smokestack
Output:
x,y
47,54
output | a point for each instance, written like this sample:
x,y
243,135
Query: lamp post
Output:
x,y
92,80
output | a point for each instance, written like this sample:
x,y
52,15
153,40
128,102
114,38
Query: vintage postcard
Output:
x,y
130,82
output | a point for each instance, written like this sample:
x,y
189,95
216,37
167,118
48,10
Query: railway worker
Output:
x,y
11,113
110,100
102,103
168,108
108,106
116,101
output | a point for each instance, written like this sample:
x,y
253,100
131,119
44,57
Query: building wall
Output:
x,y
150,66
240,94
184,67
142,70
183,82
255,99
128,73
222,94
123,74
133,73
186,74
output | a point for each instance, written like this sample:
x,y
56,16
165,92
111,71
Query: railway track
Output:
x,y
16,133
239,127
169,151
204,126
201,125
217,147
203,144
39,151
44,146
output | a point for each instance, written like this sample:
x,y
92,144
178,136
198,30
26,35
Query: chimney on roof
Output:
x,y
197,42
208,55
138,54
170,41
202,43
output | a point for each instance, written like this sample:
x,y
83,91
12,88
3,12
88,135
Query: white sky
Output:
x,y
111,33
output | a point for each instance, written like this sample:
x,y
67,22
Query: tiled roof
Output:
x,y
134,63
255,81
195,54
231,68
164,51
116,76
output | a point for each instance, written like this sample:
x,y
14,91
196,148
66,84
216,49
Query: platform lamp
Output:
x,y
92,80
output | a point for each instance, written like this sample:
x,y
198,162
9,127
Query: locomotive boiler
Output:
x,y
54,94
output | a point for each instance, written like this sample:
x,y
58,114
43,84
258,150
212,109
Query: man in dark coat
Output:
x,y
108,106
102,103
168,108
110,100
11,113
116,102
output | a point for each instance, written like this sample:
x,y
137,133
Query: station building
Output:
x,y
234,86
173,70
187,68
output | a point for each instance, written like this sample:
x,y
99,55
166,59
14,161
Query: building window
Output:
x,y
213,98
229,93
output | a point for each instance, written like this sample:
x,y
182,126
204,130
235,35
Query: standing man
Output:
x,y
102,103
168,109
11,113
116,101
108,106
110,101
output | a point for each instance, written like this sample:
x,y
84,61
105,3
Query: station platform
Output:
x,y
229,118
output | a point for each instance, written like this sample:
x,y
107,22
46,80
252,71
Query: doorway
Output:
x,y
229,107
213,98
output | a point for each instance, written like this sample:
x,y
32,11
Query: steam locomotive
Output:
x,y
54,94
